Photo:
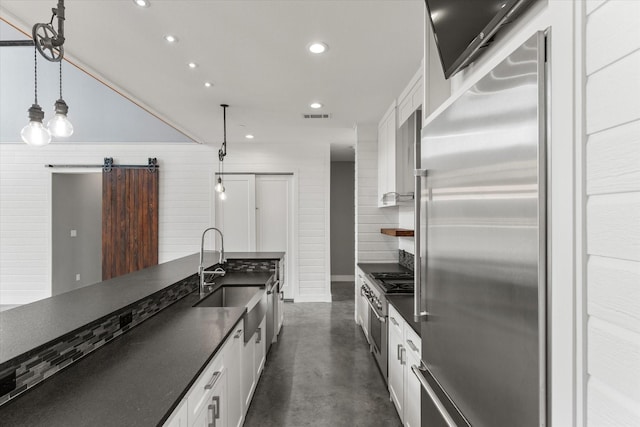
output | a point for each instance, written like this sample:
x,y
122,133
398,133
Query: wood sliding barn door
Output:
x,y
129,220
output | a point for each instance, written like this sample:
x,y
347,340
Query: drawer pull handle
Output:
x,y
214,410
212,382
394,321
412,345
238,333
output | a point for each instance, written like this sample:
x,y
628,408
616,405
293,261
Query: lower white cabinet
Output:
x,y
253,359
214,411
395,374
206,405
404,351
221,395
180,416
233,356
362,307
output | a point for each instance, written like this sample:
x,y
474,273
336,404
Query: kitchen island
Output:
x,y
140,377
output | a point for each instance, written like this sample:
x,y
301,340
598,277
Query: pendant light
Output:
x,y
222,152
59,125
34,133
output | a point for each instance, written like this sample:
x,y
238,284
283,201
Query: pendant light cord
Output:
x,y
35,74
60,78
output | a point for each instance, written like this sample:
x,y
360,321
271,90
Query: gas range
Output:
x,y
394,283
374,289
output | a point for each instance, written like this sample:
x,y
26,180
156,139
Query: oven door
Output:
x,y
378,338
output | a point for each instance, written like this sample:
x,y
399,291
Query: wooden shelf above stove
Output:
x,y
397,232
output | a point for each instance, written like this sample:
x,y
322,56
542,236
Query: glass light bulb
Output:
x,y
60,126
35,134
223,196
219,187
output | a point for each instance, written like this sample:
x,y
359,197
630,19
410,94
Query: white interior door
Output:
x,y
257,216
273,219
271,213
236,216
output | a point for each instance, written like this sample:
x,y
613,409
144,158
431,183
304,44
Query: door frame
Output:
x,y
80,170
291,253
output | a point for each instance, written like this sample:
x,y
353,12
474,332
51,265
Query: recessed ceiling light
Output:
x,y
318,47
315,105
142,3
170,38
248,136
208,84
192,65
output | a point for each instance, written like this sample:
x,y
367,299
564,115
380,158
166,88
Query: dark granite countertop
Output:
x,y
404,305
135,380
31,325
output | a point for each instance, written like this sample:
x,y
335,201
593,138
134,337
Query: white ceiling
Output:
x,y
255,54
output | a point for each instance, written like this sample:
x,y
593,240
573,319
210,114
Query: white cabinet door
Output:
x,y
363,306
179,417
248,372
280,296
214,413
395,378
236,216
253,360
411,393
261,348
233,360
217,407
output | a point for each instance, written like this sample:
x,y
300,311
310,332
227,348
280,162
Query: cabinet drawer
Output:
x,y
412,342
396,322
200,392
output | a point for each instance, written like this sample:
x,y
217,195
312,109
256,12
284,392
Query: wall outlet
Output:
x,y
74,233
77,277
126,319
7,382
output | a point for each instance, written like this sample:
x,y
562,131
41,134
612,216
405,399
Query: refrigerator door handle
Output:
x,y
417,371
419,313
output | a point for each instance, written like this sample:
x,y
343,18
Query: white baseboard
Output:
x,y
19,297
343,278
313,298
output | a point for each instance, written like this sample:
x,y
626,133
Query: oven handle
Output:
x,y
375,312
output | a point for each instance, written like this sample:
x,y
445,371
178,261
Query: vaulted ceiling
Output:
x,y
254,52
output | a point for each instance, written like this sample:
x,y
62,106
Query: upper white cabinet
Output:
x,y
411,98
396,146
386,156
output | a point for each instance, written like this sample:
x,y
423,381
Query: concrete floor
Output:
x,y
320,372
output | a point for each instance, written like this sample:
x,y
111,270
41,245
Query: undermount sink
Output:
x,y
254,298
230,296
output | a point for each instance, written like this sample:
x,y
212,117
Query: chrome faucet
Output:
x,y
218,271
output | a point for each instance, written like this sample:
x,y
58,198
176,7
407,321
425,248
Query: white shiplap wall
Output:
x,y
185,204
612,123
311,166
371,245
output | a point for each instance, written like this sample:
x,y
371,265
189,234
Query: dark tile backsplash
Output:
x,y
39,364
406,259
250,265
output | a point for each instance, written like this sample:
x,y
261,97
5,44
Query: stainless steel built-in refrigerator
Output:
x,y
481,250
